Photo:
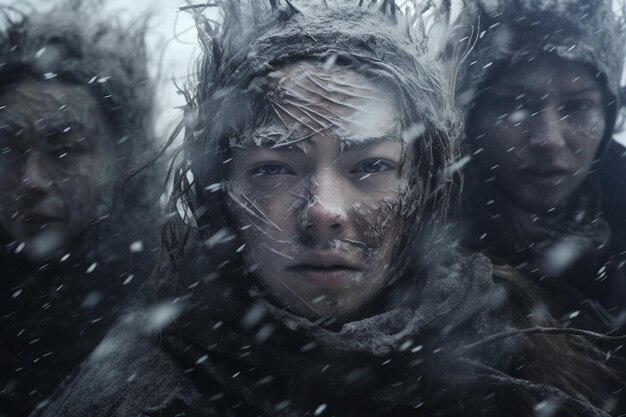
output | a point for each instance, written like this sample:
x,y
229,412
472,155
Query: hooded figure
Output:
x,y
308,274
76,113
540,91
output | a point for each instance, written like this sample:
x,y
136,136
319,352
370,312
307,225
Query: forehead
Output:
x,y
45,99
546,73
310,100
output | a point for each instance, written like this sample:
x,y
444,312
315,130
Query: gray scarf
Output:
x,y
406,355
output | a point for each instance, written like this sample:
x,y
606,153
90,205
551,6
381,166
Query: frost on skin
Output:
x,y
57,161
325,175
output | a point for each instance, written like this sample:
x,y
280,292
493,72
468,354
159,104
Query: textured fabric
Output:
x,y
459,304
232,353
219,358
570,253
53,314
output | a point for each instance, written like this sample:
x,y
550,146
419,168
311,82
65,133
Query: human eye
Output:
x,y
12,153
373,166
269,169
502,101
11,150
65,142
578,105
64,150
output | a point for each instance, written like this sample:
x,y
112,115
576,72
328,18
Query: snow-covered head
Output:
x,y
540,91
76,112
319,136
589,32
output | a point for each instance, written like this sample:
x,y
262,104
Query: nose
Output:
x,y
325,215
548,128
35,178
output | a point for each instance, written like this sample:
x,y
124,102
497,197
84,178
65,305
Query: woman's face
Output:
x,y
316,192
536,131
56,161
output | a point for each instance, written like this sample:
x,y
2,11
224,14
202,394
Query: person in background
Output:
x,y
307,273
77,235
540,91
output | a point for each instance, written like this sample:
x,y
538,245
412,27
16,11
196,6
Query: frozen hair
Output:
x,y
259,37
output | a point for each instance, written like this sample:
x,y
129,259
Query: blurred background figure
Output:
x,y
541,94
77,231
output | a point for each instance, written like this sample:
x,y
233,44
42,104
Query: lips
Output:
x,y
547,176
34,222
326,269
40,218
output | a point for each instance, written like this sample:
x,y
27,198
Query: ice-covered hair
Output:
x,y
257,37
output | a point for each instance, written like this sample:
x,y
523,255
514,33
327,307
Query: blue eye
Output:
x,y
270,169
373,166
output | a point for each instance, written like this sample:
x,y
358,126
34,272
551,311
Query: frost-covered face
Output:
x,y
538,128
56,162
316,191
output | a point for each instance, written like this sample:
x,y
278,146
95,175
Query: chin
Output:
x,y
331,309
541,204
534,200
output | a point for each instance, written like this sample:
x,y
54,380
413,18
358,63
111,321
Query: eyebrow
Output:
x,y
60,122
525,90
349,144
352,144
583,91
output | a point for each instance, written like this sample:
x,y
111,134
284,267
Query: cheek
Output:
x,y
497,140
87,187
11,178
98,167
378,218
266,219
256,207
586,135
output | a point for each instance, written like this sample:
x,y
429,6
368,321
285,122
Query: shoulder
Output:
x,y
126,375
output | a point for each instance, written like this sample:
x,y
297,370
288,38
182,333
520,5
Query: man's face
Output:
x,y
316,191
538,128
56,161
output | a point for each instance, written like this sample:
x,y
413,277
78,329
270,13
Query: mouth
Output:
x,y
326,269
548,176
40,220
